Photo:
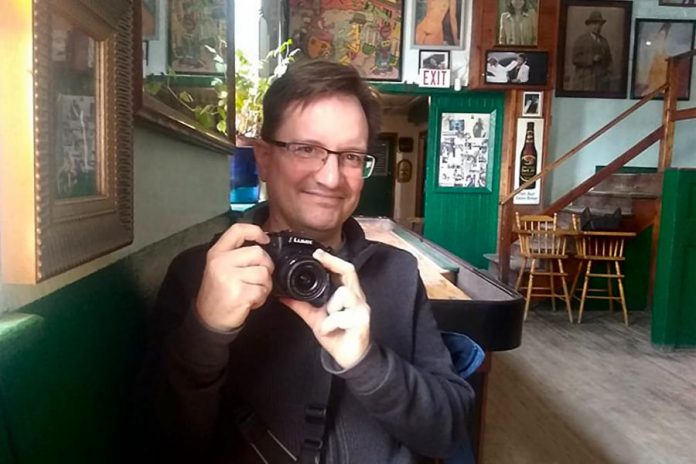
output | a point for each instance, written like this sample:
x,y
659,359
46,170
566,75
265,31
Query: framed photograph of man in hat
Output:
x,y
593,49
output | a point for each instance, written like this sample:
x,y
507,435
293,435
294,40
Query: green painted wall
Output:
x,y
68,360
674,306
464,221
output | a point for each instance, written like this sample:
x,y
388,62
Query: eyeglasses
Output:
x,y
351,162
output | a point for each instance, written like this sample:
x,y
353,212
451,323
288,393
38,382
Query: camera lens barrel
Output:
x,y
303,278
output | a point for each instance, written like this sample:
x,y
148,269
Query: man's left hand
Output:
x,y
342,327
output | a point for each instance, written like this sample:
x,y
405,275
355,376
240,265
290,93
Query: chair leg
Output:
x,y
576,279
552,285
530,282
584,290
621,293
520,274
610,289
565,290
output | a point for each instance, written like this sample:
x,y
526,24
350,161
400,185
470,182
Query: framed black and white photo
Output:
x,y
593,48
518,23
465,155
515,68
434,59
438,24
532,104
655,41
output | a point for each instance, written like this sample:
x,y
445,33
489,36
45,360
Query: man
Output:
x,y
230,345
518,70
592,57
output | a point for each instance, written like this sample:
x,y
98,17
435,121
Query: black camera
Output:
x,y
297,274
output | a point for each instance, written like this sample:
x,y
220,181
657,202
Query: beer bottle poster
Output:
x,y
528,155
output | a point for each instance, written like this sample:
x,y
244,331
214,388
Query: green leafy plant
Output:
x,y
250,87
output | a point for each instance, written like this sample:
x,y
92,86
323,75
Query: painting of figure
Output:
x,y
438,24
362,33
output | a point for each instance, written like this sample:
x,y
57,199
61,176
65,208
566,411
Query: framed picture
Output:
x,y
197,36
532,104
67,195
690,3
593,49
655,41
150,17
438,24
465,150
518,23
433,59
528,156
366,34
515,68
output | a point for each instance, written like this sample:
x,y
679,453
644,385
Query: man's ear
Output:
x,y
262,154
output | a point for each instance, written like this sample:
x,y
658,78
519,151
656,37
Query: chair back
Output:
x,y
539,236
599,245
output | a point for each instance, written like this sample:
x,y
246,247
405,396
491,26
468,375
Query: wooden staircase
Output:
x,y
638,195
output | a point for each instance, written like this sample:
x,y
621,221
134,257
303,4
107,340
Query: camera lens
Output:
x,y
305,279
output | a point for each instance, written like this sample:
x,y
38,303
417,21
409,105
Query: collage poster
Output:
x,y
464,150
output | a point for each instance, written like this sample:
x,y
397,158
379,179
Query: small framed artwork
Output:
x,y
366,34
197,36
434,59
518,22
532,104
465,151
438,24
655,41
528,156
593,48
516,68
688,3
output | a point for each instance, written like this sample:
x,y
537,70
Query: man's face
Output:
x,y
596,28
304,197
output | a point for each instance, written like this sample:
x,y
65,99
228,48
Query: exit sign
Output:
x,y
435,78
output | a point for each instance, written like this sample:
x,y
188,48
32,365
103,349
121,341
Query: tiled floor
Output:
x,y
596,392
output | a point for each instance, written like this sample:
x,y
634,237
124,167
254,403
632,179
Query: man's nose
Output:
x,y
329,175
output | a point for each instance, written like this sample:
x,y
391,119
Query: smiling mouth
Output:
x,y
326,196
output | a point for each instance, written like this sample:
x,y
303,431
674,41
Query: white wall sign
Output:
x,y
435,78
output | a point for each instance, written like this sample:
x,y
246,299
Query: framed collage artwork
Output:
x,y
364,33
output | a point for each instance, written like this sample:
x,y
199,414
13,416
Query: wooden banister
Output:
x,y
584,143
606,171
686,113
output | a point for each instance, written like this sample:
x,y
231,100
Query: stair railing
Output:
x,y
664,133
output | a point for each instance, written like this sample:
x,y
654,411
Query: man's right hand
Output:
x,y
236,280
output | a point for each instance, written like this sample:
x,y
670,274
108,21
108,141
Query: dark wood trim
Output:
x,y
420,170
686,113
605,172
393,137
684,55
162,117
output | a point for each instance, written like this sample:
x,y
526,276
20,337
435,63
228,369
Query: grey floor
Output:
x,y
597,392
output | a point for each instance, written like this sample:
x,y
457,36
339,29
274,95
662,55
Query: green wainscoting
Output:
x,y
68,360
464,221
674,302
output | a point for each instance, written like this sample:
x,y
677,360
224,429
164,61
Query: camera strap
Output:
x,y
269,448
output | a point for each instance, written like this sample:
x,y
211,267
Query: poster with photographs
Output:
x,y
528,155
464,150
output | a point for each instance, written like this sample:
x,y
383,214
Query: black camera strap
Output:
x,y
269,448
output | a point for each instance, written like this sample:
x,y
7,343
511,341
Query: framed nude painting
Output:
x,y
364,33
438,24
593,49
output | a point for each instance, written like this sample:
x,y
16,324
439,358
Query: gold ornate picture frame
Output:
x,y
66,194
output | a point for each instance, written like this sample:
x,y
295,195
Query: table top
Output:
x,y
438,280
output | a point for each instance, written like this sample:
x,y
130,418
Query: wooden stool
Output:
x,y
542,243
595,247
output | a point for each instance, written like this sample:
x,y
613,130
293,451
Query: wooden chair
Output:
x,y
595,247
542,243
